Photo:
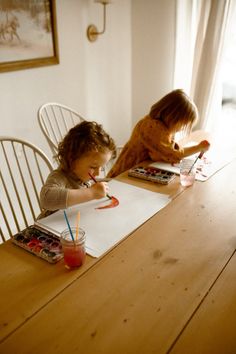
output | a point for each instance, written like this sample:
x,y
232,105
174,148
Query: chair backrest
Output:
x,y
23,170
55,121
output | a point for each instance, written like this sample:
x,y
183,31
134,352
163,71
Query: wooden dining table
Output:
x,y
169,287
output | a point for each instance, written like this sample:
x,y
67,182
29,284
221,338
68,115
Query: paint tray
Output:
x,y
152,174
43,244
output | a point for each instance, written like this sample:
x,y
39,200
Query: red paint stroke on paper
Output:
x,y
114,201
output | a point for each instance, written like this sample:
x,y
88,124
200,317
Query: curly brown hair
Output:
x,y
82,139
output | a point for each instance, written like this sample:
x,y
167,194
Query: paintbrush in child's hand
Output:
x,y
94,179
114,201
198,157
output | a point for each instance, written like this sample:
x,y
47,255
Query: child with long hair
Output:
x,y
153,136
83,152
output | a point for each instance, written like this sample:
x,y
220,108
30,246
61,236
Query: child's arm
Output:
x,y
175,156
204,145
96,191
55,194
158,141
167,151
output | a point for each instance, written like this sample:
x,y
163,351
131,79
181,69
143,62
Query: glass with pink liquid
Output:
x,y
74,251
187,173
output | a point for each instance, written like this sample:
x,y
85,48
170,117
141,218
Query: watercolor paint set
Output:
x,y
40,243
152,174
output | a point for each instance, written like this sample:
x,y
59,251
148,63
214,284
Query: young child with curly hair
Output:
x,y
83,152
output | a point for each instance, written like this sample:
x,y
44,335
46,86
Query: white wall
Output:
x,y
153,51
113,81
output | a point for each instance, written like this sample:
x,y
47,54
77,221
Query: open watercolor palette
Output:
x,y
40,243
152,174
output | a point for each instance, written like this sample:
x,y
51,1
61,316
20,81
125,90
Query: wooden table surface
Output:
x,y
170,287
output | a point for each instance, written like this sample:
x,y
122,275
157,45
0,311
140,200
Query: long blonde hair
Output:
x,y
176,110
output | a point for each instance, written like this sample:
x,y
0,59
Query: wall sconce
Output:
x,y
92,31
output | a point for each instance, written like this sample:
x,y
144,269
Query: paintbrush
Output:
x,y
68,224
77,225
94,179
198,157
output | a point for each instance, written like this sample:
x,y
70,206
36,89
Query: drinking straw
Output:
x,y
198,157
94,179
77,225
68,224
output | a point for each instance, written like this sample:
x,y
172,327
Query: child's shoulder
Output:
x,y
145,122
56,175
150,123
57,172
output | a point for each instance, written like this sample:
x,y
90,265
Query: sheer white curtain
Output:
x,y
200,32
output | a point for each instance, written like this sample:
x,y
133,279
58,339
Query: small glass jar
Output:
x,y
187,172
73,250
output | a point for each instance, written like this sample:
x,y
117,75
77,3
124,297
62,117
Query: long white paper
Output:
x,y
211,162
104,228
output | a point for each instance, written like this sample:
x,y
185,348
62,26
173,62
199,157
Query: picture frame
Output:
x,y
28,34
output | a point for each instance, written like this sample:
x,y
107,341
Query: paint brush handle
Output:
x,y
68,224
94,179
198,157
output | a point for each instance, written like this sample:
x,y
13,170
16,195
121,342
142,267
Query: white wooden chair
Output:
x,y
55,121
23,170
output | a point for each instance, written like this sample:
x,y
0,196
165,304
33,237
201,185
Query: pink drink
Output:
x,y
187,173
74,256
186,179
74,250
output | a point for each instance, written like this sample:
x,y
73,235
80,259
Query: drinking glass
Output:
x,y
74,250
187,173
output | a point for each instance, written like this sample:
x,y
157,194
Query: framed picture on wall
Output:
x,y
28,34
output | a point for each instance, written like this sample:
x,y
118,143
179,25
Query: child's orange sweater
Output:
x,y
150,139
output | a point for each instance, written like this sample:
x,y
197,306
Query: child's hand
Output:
x,y
99,190
204,145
